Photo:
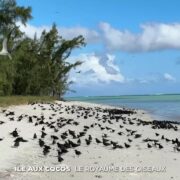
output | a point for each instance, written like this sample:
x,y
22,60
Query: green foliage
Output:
x,y
10,13
39,66
19,100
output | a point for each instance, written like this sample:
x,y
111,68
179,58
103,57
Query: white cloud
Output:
x,y
67,33
157,36
88,34
169,77
30,30
152,37
92,71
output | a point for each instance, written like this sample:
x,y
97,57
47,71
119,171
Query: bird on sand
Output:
x,y
14,133
60,159
35,136
77,152
97,140
20,139
41,143
148,145
127,145
16,144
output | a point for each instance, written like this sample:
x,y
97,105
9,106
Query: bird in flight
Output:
x,y
4,51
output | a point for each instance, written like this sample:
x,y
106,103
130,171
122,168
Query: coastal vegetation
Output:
x,y
19,100
39,65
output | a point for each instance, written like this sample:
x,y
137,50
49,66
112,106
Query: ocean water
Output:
x,y
162,107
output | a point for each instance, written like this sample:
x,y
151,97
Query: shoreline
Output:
x,y
150,143
165,107
150,115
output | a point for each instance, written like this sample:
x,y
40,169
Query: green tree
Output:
x,y
39,65
10,14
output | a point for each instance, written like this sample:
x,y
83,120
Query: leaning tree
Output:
x,y
39,65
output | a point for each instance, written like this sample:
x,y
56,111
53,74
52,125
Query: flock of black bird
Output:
x,y
61,140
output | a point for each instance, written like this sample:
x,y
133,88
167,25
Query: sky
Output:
x,y
133,46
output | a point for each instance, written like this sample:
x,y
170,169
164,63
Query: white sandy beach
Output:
x,y
130,161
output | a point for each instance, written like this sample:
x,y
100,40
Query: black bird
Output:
x,y
73,145
148,145
160,146
97,140
132,132
10,114
43,134
115,146
60,159
75,123
54,137
2,122
63,150
88,142
20,139
106,143
137,135
128,130
1,139
72,133
105,140
30,119
157,134
11,119
120,133
131,123
90,137
167,140
63,136
54,141
127,145
59,153
63,146
67,144
43,128
46,149
86,127
108,128
41,143
35,136
77,152
14,133
129,140
79,141
177,148
16,144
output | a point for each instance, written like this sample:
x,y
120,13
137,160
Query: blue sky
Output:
x,y
133,47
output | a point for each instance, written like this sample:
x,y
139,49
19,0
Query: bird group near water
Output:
x,y
69,127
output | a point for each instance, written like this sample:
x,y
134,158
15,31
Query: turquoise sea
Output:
x,y
162,107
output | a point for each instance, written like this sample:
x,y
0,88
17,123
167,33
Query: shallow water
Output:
x,y
164,107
